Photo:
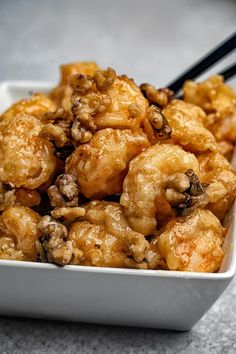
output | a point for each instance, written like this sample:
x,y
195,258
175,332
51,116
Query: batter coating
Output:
x,y
101,165
193,243
26,160
219,102
18,232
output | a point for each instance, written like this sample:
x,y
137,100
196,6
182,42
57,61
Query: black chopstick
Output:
x,y
228,72
204,63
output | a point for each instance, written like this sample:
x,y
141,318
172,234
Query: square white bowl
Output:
x,y
146,298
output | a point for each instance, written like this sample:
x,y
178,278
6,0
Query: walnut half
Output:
x,y
158,122
65,191
185,192
53,245
160,97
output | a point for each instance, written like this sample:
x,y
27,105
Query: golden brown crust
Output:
x,y
193,243
186,123
103,238
34,106
26,160
101,165
218,100
18,232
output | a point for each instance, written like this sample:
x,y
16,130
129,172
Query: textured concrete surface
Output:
x,y
151,41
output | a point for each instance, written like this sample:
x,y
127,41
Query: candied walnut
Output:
x,y
83,110
57,128
101,165
60,117
184,200
53,245
187,124
55,134
7,195
192,243
219,174
27,197
104,79
26,160
160,97
67,213
156,125
145,188
103,238
81,83
18,232
35,106
85,103
80,134
65,191
219,102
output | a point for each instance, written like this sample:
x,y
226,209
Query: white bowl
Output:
x,y
147,298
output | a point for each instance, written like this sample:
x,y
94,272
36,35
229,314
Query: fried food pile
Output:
x,y
103,172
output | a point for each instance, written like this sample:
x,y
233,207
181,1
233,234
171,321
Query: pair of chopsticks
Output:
x,y
206,62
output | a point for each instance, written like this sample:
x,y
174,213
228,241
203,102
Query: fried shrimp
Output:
x,y
218,100
26,160
187,124
103,238
160,180
18,232
100,166
193,243
105,100
218,173
35,106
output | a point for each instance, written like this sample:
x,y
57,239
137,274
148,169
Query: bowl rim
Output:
x,y
227,274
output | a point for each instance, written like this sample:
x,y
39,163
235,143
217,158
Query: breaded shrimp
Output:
x,y
186,122
219,102
18,232
193,243
101,165
34,106
161,179
105,239
26,160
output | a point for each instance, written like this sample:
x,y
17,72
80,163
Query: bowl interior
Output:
x,y
12,91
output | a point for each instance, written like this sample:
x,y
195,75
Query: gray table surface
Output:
x,y
150,41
